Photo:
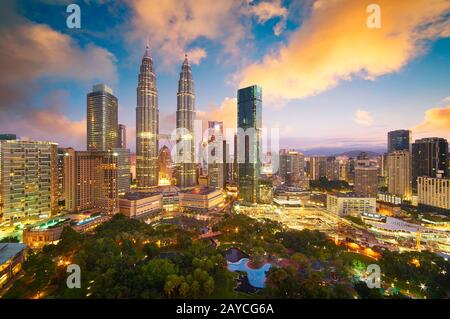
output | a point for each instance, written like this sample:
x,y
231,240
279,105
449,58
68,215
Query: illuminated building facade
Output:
x,y
185,159
28,179
350,204
399,174
122,136
102,114
91,181
165,166
147,125
434,192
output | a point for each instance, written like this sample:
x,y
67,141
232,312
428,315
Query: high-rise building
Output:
x,y
90,180
429,158
147,125
28,179
123,170
317,167
434,192
399,174
292,168
332,168
185,157
249,124
366,181
216,160
102,112
60,170
122,143
399,140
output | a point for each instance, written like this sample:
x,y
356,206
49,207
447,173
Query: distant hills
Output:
x,y
338,151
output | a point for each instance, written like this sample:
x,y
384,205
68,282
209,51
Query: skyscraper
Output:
x,y
249,124
317,167
216,163
292,167
90,180
102,126
28,179
429,158
122,143
399,140
366,181
399,174
147,125
165,166
185,157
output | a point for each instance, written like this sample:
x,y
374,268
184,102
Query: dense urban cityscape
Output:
x,y
210,211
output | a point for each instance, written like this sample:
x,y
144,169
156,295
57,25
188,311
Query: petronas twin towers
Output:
x,y
147,126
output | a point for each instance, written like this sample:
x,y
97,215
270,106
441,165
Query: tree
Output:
x,y
157,270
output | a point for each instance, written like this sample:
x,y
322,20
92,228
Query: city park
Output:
x,y
125,258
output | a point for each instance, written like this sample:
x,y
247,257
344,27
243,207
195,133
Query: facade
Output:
x,y
399,174
249,123
429,158
399,140
147,125
91,181
292,167
140,205
366,181
332,168
102,114
7,137
266,190
165,166
201,199
217,151
350,204
123,169
28,179
434,192
185,158
317,167
60,169
122,136
12,256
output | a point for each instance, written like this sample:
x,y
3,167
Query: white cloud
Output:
x,y
363,118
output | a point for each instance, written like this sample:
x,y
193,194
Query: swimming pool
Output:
x,y
256,277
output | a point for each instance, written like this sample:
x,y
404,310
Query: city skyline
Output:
x,y
371,97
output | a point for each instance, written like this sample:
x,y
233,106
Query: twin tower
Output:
x,y
147,126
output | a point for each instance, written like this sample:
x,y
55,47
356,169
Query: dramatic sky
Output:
x,y
328,80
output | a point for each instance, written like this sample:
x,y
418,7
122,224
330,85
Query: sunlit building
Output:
x,y
147,125
28,179
434,192
399,174
102,115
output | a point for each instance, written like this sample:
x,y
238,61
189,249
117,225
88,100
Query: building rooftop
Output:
x,y
139,195
9,250
200,190
348,195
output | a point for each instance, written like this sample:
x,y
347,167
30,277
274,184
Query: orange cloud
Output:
x,y
334,44
226,112
436,122
172,25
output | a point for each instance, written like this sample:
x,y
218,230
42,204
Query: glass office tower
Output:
x,y
102,114
399,140
249,152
